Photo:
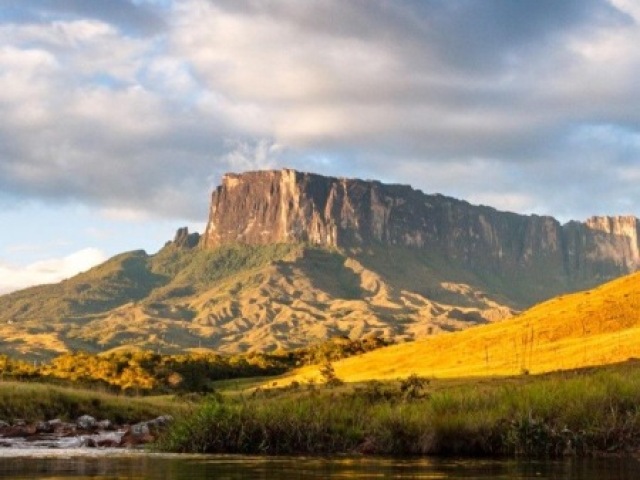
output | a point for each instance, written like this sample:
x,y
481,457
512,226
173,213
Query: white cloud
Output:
x,y
124,214
78,123
59,33
630,7
375,77
14,277
144,124
244,156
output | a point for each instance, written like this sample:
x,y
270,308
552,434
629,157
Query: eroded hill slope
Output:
x,y
593,327
239,298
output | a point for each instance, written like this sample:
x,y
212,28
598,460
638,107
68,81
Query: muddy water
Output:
x,y
61,464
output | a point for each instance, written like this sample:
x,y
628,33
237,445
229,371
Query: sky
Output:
x,y
119,117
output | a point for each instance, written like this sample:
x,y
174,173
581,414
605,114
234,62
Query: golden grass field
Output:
x,y
595,327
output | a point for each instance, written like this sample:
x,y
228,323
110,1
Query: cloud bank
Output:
x,y
140,106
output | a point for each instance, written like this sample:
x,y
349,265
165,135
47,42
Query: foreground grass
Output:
x,y
32,402
562,414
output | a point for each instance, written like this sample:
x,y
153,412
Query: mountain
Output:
x,y
525,258
290,258
592,327
232,298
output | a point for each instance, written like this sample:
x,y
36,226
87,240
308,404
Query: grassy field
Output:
x,y
595,327
33,402
570,413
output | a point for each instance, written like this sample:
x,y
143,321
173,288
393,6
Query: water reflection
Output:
x,y
112,466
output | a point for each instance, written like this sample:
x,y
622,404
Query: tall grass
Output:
x,y
560,415
34,402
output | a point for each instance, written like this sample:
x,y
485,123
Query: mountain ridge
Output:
x,y
289,258
274,206
233,299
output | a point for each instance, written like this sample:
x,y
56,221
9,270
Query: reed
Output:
x,y
556,415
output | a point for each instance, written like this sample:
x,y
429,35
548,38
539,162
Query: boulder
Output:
x,y
86,422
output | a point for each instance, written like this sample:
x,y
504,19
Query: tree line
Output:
x,y
144,372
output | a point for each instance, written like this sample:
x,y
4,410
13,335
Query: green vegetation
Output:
x,y
134,276
123,278
576,413
327,271
82,383
96,310
595,327
240,297
190,271
145,372
334,349
33,402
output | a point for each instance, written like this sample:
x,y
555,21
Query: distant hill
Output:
x,y
594,327
237,298
291,258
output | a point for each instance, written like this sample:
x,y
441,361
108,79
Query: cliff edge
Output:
x,y
284,206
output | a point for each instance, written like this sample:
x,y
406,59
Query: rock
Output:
x,y
110,440
160,422
57,434
140,429
186,240
4,424
20,430
533,253
144,432
105,425
107,442
56,424
44,427
86,422
138,434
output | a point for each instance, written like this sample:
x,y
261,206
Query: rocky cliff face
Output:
x,y
184,239
534,256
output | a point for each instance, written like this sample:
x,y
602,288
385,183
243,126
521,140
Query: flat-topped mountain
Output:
x,y
290,258
534,254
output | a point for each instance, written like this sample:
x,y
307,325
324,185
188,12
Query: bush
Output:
x,y
555,416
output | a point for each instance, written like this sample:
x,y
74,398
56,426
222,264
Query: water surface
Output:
x,y
114,464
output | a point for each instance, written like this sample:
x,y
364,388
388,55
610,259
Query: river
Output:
x,y
116,465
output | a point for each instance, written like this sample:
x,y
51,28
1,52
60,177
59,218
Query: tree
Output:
x,y
329,375
413,387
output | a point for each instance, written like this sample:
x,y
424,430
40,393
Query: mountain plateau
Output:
x,y
291,258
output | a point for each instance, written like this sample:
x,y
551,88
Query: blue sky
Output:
x,y
119,117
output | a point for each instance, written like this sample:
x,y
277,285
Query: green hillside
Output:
x,y
242,298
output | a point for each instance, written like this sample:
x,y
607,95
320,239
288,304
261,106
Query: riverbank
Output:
x,y
85,431
34,402
564,414
52,417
